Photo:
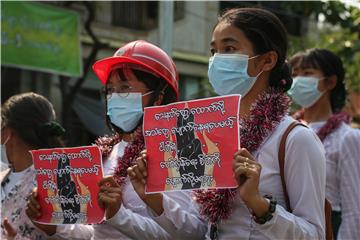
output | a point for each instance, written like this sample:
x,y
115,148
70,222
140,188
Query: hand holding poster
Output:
x,y
191,144
67,184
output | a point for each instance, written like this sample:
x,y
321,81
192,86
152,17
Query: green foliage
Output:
x,y
342,37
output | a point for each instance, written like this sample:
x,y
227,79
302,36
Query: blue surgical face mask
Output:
x,y
304,91
125,112
228,74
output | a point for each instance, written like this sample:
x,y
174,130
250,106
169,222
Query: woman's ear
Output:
x,y
330,82
269,59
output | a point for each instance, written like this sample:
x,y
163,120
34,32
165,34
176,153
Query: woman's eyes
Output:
x,y
125,88
118,89
308,73
227,49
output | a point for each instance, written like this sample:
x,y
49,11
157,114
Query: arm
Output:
x,y
175,211
180,218
73,231
305,179
137,226
349,169
125,220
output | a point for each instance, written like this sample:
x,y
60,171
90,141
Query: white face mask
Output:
x,y
228,74
4,158
126,112
304,91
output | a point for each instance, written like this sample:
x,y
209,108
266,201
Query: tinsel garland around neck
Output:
x,y
333,122
131,152
107,143
265,115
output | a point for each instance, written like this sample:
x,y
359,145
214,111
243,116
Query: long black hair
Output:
x,y
330,64
266,33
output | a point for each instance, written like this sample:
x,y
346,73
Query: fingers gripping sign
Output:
x,y
138,174
247,174
33,206
109,196
10,230
138,177
33,211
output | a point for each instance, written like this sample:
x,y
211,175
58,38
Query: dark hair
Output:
x,y
153,83
267,33
32,117
330,64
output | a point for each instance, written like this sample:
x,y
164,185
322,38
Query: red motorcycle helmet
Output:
x,y
140,55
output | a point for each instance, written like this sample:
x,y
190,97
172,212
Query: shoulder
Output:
x,y
300,135
302,142
349,139
349,133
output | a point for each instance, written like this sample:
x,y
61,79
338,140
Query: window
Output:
x,y
141,15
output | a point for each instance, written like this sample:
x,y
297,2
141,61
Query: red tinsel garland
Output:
x,y
331,124
265,115
106,144
131,152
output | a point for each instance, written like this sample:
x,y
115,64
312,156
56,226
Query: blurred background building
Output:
x,y
105,26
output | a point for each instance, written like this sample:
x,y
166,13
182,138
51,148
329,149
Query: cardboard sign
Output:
x,y
190,145
67,184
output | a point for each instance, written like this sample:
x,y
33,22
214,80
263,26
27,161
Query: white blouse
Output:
x,y
342,148
13,203
12,178
305,178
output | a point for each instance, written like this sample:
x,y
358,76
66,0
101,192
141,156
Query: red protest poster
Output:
x,y
67,184
190,145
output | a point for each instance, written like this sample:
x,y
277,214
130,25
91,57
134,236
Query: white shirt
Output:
x,y
342,148
13,203
11,180
135,221
305,179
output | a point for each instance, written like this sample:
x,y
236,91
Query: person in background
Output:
x,y
27,123
139,75
319,87
249,47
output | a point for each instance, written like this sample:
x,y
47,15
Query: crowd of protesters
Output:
x,y
248,57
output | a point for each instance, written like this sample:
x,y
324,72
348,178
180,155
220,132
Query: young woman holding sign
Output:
x,y
248,48
27,123
319,88
138,75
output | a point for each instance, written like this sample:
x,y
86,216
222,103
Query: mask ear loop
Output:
x,y
253,58
318,81
147,93
163,90
7,140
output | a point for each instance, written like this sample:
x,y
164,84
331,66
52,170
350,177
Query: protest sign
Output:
x,y
67,184
190,145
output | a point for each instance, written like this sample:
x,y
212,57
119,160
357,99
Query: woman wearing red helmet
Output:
x,y
138,75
